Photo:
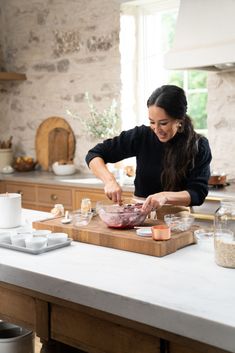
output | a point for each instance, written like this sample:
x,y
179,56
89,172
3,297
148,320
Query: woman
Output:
x,y
172,160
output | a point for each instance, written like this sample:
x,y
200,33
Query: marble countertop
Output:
x,y
89,181
185,292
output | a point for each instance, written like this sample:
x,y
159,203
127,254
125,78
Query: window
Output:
x,y
147,33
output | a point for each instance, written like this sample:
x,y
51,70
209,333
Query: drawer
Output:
x,y
49,196
27,191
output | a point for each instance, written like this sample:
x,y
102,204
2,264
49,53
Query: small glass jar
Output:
x,y
85,205
224,234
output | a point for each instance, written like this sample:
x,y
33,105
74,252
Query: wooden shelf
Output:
x,y
7,76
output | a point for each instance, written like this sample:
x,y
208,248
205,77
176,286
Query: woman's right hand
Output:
x,y
113,191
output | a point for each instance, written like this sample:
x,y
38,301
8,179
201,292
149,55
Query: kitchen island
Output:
x,y
105,300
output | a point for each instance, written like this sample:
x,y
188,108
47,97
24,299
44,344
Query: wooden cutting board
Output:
x,y
55,141
98,233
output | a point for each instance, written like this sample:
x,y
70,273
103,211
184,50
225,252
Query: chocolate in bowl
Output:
x,y
124,216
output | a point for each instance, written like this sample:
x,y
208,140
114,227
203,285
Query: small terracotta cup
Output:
x,y
161,232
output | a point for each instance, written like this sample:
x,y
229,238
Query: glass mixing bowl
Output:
x,y
179,223
121,216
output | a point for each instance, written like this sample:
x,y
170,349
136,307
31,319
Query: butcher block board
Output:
x,y
97,233
55,141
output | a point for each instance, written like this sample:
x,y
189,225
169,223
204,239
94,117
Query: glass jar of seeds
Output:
x,y
224,234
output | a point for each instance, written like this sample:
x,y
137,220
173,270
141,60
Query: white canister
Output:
x,y
10,210
6,157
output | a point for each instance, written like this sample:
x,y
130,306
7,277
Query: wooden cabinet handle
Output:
x,y
54,197
20,192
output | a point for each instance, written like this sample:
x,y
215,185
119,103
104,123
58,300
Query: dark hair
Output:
x,y
181,150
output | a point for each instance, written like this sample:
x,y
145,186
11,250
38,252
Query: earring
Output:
x,y
180,127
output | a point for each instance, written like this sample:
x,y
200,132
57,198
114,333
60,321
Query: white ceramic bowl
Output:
x,y
63,169
56,238
19,239
36,243
5,237
41,233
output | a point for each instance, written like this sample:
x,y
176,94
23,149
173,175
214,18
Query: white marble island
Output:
x,y
184,293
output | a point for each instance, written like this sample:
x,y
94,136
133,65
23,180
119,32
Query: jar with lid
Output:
x,y
224,234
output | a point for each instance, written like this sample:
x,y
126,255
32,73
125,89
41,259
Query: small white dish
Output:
x,y
19,239
41,233
144,232
36,243
56,238
7,169
66,220
5,237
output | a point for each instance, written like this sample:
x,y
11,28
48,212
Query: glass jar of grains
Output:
x,y
224,234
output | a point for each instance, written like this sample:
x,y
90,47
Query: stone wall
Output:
x,y
221,121
66,48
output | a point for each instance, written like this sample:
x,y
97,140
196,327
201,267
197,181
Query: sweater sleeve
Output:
x,y
197,182
116,149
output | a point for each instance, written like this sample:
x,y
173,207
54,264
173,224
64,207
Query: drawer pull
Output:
x,y
54,197
20,192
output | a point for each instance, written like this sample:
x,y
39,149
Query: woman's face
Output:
x,y
162,124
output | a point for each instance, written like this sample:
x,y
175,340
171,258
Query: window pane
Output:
x,y
168,22
197,79
176,78
197,109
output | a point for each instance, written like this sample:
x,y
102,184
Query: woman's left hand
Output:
x,y
153,202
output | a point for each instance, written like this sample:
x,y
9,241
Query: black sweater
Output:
x,y
142,143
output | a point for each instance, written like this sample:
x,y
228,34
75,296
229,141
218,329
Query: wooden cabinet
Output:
x,y
2,187
49,195
88,328
27,191
43,197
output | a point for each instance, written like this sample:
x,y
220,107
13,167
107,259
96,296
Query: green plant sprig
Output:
x,y
101,125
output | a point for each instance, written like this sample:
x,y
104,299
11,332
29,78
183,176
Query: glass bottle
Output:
x,y
224,234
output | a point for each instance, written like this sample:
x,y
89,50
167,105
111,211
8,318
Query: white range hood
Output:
x,y
204,37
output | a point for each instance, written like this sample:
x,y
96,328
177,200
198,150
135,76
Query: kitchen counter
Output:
x,y
88,181
185,293
75,180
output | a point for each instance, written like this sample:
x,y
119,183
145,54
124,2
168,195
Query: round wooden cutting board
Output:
x,y
55,141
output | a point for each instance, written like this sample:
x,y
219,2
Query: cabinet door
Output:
x,y
92,333
2,186
27,191
48,196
